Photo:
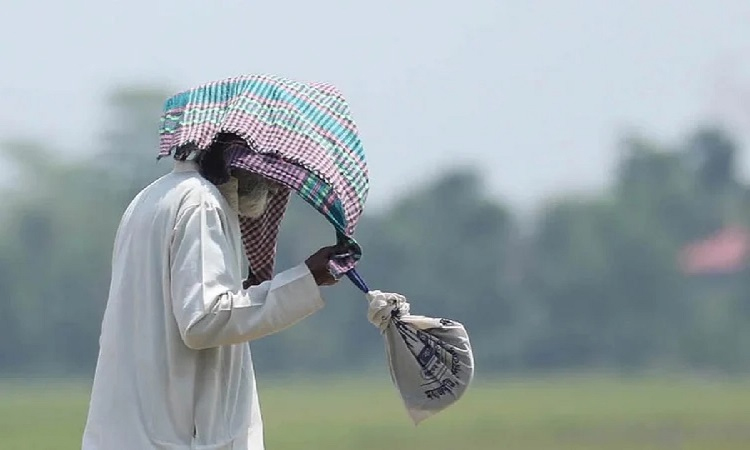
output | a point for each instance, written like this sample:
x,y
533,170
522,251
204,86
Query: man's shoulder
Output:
x,y
174,193
191,191
194,187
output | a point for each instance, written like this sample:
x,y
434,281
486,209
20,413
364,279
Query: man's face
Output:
x,y
254,192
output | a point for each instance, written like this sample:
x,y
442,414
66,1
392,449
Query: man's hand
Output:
x,y
318,265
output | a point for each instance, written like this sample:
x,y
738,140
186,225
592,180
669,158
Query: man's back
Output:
x,y
150,389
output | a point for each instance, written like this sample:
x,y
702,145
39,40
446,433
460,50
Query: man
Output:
x,y
174,368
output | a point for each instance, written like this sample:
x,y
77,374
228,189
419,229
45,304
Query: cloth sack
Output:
x,y
430,360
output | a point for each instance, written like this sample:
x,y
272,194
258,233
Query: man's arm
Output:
x,y
208,301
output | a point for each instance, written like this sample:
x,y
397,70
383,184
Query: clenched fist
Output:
x,y
318,264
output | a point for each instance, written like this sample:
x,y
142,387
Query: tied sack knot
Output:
x,y
383,306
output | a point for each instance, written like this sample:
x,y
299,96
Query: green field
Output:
x,y
572,413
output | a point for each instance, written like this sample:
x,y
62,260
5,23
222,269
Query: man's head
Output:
x,y
248,193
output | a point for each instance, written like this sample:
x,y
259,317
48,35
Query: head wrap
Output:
x,y
300,135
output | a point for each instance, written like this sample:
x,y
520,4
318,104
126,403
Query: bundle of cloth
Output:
x,y
301,136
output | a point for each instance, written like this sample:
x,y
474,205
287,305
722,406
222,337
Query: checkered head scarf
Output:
x,y
300,135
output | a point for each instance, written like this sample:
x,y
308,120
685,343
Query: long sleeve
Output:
x,y
208,301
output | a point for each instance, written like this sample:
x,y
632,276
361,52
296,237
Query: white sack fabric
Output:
x,y
430,360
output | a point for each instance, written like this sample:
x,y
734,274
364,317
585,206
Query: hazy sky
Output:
x,y
536,91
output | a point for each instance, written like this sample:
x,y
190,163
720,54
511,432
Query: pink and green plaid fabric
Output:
x,y
300,135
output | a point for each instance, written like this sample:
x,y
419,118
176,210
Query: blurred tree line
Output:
x,y
593,282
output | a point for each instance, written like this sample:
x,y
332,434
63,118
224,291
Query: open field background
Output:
x,y
556,413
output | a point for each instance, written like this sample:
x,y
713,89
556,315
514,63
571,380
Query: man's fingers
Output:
x,y
330,281
326,252
330,251
319,263
340,249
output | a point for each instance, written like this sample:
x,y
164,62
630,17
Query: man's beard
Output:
x,y
253,204
250,203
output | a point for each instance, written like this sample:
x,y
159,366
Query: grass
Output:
x,y
557,413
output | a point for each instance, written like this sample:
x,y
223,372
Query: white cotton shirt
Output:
x,y
174,369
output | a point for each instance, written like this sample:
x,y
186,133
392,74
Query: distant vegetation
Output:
x,y
594,283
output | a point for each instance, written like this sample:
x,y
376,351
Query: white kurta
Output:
x,y
174,368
